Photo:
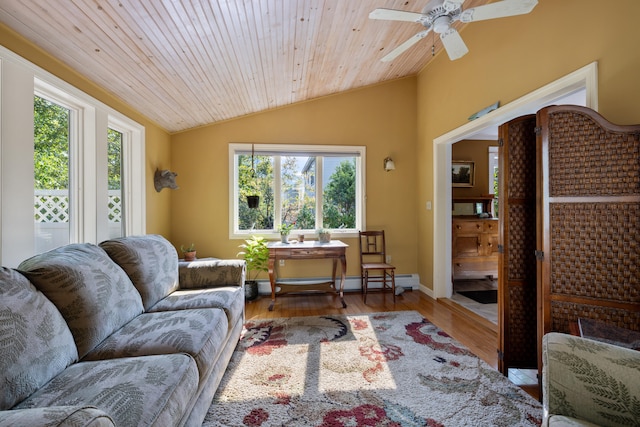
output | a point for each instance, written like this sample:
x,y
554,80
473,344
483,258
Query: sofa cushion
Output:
x,y
138,391
200,333
94,295
562,421
56,416
151,263
35,342
228,298
206,273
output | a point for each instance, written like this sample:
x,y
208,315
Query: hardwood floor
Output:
x,y
477,334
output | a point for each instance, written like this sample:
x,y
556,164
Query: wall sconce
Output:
x,y
389,165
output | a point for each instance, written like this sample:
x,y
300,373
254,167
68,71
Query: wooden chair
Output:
x,y
373,265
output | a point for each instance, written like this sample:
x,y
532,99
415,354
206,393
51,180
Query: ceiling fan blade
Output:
x,y
451,5
404,46
499,9
395,15
453,44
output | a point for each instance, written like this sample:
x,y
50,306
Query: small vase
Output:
x,y
190,256
324,237
284,238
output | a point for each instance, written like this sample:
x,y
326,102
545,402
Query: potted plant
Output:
x,y
253,201
284,230
189,253
256,255
324,235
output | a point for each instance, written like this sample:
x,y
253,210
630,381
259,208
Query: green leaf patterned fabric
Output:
x,y
94,295
562,421
199,333
591,381
229,298
35,342
150,261
56,416
138,391
209,273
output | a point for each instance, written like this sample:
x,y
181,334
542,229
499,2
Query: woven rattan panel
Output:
x,y
590,160
564,313
522,324
596,250
517,277
522,160
522,243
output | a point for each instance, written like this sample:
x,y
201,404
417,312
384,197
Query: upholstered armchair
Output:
x,y
589,383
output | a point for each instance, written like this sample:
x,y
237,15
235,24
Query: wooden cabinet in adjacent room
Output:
x,y
475,248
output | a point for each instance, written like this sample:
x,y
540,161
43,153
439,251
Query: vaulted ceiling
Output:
x,y
188,63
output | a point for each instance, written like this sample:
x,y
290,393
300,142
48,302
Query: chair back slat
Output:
x,y
372,245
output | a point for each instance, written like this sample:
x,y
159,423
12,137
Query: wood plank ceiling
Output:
x,y
188,63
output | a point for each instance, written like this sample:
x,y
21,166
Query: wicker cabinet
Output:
x,y
475,248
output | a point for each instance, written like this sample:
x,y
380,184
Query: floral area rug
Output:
x,y
387,369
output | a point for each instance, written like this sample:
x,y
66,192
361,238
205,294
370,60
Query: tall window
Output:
x,y
115,201
52,139
311,187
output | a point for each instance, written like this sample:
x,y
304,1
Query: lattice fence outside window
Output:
x,y
52,206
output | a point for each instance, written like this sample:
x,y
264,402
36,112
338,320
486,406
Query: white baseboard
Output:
x,y
352,283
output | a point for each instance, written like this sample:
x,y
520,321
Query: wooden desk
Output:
x,y
335,250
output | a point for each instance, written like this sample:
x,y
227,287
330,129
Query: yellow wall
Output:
x,y
381,117
157,139
513,56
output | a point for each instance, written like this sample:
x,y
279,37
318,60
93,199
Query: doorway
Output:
x,y
582,81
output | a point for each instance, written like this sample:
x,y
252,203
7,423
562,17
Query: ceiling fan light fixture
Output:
x,y
442,24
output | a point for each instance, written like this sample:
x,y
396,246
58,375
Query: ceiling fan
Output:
x,y
439,16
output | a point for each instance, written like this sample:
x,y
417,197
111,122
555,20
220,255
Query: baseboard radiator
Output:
x,y
351,283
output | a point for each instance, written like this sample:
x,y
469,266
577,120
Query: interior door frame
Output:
x,y
584,78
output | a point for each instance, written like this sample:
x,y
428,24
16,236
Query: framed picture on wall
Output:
x,y
462,173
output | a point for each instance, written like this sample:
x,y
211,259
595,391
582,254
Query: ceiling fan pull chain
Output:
x,y
433,45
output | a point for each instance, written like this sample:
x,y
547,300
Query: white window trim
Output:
x,y
20,79
287,149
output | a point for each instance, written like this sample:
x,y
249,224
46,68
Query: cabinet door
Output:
x,y
490,244
466,246
517,310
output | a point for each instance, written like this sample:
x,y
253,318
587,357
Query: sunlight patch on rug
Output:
x,y
386,369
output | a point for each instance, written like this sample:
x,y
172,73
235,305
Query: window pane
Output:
x,y
297,192
311,187
115,199
339,192
255,179
51,166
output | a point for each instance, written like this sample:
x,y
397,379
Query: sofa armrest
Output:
x,y
70,416
211,273
590,380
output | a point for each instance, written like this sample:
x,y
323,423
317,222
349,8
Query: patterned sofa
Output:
x,y
116,334
589,383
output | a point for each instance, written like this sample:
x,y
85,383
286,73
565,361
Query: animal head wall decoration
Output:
x,y
165,179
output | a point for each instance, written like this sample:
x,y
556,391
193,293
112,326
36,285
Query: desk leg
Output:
x,y
343,274
272,281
